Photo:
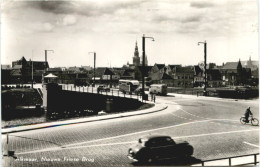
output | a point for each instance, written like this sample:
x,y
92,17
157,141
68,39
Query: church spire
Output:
x,y
136,50
136,58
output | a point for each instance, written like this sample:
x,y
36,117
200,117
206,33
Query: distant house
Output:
x,y
157,72
252,64
166,79
183,76
199,78
171,69
162,78
6,74
74,70
140,69
214,78
108,75
56,70
86,68
128,74
22,70
5,67
255,77
234,74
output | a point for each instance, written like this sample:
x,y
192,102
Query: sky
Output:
x,y
111,28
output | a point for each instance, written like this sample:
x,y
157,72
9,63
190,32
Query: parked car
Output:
x,y
157,147
159,89
102,88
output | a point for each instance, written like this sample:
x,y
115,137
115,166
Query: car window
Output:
x,y
159,142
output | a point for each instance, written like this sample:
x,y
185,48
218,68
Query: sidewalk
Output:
x,y
156,108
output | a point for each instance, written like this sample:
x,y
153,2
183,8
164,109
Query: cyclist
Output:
x,y
247,113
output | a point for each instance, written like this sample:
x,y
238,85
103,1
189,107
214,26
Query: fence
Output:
x,y
110,92
232,161
192,91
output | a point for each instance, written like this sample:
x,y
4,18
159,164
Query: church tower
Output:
x,y
136,58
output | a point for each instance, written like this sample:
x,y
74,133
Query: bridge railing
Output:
x,y
249,159
111,92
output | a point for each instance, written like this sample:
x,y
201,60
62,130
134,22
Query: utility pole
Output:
x,y
205,67
94,67
143,63
45,68
32,69
46,52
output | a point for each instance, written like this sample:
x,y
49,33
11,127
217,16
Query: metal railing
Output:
x,y
111,92
232,158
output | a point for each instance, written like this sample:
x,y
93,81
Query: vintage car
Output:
x,y
103,88
157,147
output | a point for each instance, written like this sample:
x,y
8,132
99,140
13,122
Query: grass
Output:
x,y
22,122
42,119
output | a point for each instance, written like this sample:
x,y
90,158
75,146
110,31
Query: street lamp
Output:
x,y
32,68
45,68
94,66
144,63
205,66
46,51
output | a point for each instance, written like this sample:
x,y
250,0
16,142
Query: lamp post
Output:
x,y
205,67
46,52
143,64
45,68
32,69
94,67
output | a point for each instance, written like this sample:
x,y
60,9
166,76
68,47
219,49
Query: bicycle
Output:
x,y
251,119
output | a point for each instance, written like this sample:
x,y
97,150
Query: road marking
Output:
x,y
251,144
180,116
145,131
218,133
132,142
114,137
67,148
192,114
129,134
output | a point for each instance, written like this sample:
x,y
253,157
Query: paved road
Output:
x,y
211,125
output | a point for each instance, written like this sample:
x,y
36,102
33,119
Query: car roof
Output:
x,y
155,136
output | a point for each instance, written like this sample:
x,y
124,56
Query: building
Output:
x,y
253,65
23,71
157,72
234,74
198,77
171,69
214,78
128,74
183,77
5,67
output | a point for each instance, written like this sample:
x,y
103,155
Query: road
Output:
x,y
210,125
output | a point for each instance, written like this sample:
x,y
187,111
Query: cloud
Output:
x,y
69,20
189,19
47,27
201,4
87,8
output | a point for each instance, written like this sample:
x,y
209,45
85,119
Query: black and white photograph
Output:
x,y
129,83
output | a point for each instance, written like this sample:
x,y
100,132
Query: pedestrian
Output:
x,y
154,98
151,96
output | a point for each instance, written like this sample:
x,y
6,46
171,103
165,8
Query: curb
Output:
x,y
93,119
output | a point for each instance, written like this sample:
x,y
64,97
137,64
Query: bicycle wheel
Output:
x,y
254,121
242,120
